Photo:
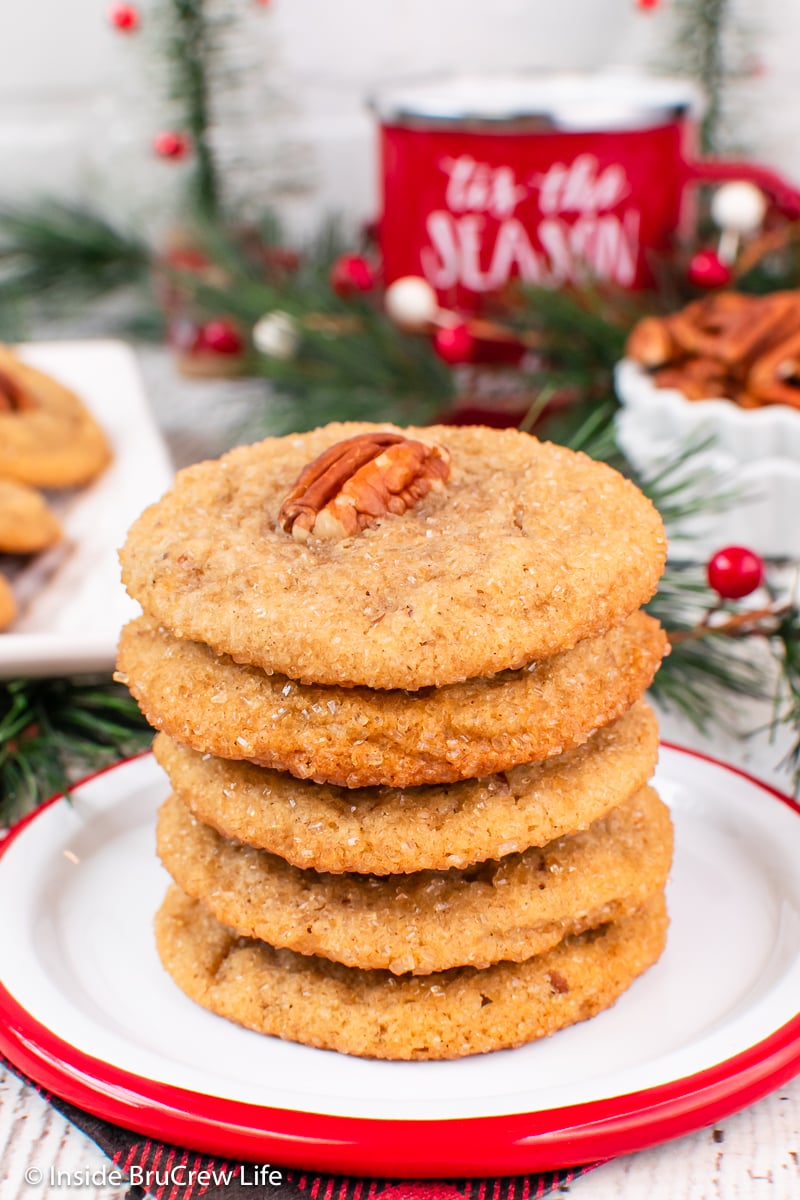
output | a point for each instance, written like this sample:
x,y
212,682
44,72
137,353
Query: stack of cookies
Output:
x,y
398,678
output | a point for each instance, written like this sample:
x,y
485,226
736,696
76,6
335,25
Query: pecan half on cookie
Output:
x,y
356,481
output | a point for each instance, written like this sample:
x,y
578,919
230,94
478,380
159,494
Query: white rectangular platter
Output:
x,y
72,603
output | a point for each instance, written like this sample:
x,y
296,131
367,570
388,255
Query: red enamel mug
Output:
x,y
551,178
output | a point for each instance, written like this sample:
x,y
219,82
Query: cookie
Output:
x,y
8,605
377,1015
48,438
27,525
524,550
509,909
386,831
357,737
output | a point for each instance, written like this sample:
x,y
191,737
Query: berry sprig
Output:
x,y
734,573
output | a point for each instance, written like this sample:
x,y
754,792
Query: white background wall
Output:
x,y
80,103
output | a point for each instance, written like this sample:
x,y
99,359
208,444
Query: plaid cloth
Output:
x,y
171,1172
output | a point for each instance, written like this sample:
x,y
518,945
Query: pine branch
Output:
x,y
770,262
581,336
707,667
191,47
704,673
376,375
702,683
702,50
53,248
53,731
352,362
786,640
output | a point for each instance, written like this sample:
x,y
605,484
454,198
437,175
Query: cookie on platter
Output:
x,y
48,438
27,524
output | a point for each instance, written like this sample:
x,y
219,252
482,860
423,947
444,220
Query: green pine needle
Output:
x,y
192,44
53,731
700,678
787,700
702,38
352,362
54,249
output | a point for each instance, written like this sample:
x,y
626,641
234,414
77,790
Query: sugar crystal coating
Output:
x,y
358,737
510,909
528,549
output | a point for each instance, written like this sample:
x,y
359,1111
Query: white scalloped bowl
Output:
x,y
756,451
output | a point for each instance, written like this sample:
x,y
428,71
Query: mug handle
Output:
x,y
784,195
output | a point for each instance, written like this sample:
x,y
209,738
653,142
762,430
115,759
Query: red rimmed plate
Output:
x,y
88,1012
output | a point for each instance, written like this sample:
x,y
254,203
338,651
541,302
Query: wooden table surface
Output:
x,y
752,1155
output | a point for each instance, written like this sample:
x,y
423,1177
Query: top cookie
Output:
x,y
413,571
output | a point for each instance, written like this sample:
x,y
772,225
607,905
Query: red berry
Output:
x,y
124,17
647,4
454,343
186,258
350,274
707,270
169,144
735,572
220,336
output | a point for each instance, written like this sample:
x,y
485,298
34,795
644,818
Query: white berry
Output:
x,y
738,207
411,302
276,334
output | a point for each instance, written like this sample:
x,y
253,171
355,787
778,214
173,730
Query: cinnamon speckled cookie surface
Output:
x,y
360,737
509,909
527,549
375,1014
386,831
